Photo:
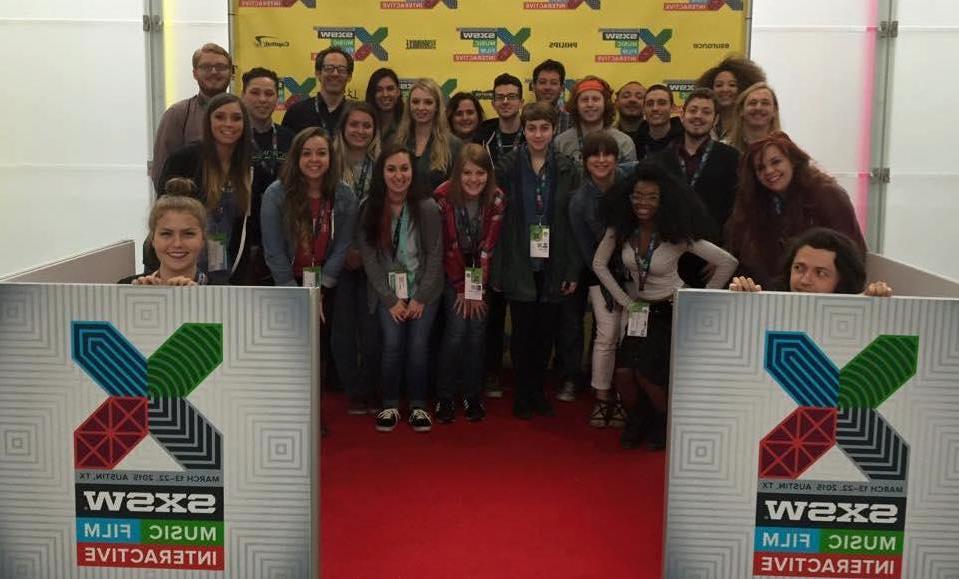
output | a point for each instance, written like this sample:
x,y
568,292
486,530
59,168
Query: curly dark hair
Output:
x,y
375,218
850,261
680,214
454,104
609,110
747,72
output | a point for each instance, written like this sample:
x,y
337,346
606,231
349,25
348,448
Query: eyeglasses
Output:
x,y
214,67
502,98
331,68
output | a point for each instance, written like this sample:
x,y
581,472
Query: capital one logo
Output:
x,y
828,528
636,44
348,37
494,44
148,519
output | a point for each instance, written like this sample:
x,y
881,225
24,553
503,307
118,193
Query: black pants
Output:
x,y
570,341
495,332
534,329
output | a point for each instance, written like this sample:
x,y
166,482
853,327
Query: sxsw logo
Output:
x,y
417,4
270,42
448,87
148,519
493,44
681,87
703,5
276,3
636,44
292,91
829,528
560,4
348,37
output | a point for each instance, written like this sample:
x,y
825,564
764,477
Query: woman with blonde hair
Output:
x,y
177,233
425,131
757,116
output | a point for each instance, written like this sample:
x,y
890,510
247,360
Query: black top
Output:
x,y
497,143
313,112
267,160
646,145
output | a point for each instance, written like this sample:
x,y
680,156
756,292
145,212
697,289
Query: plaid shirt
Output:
x,y
453,262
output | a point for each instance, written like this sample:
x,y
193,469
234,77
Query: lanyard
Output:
x,y
499,141
542,187
643,263
268,162
396,232
320,224
470,229
778,204
316,107
702,163
364,175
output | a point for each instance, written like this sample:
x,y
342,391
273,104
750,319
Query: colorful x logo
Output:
x,y
837,406
513,44
655,44
147,395
371,43
291,91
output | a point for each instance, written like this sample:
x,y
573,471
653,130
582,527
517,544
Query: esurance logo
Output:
x,y
702,5
493,44
820,528
560,4
636,44
276,3
349,37
417,4
448,87
148,519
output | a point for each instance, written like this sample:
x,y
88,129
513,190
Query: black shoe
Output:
x,y
420,420
656,440
473,409
635,430
387,418
542,406
523,409
445,411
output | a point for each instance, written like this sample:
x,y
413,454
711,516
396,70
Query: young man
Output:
x,y
660,127
537,264
334,69
591,110
502,134
549,78
629,105
271,144
708,166
182,123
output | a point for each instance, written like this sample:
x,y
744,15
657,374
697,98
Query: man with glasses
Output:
x,y
501,135
182,123
334,69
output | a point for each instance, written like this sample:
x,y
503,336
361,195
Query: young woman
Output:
x,y
402,242
308,215
600,152
726,79
177,231
756,116
472,209
425,132
651,228
384,95
822,261
464,115
220,165
780,195
357,146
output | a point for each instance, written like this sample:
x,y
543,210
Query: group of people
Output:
x,y
426,226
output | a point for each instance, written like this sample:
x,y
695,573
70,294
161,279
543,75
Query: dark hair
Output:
x,y
598,142
454,104
538,112
678,211
609,110
850,261
507,78
376,220
375,78
550,65
213,180
702,93
747,72
260,72
318,64
296,204
663,87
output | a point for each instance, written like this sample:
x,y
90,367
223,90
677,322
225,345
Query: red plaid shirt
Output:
x,y
453,262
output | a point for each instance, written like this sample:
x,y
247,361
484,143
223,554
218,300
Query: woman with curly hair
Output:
x,y
464,115
726,79
781,194
426,133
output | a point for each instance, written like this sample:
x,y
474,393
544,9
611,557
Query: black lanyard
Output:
x,y
699,169
643,264
318,223
499,141
470,228
268,163
542,187
364,175
396,232
316,107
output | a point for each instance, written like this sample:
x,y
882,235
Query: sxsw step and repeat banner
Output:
x,y
157,432
465,44
813,436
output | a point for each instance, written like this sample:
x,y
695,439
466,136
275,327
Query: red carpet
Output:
x,y
501,498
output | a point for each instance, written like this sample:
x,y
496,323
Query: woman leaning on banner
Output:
x,y
472,209
651,227
402,245
781,194
220,166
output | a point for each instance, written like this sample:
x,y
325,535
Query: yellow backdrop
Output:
x,y
464,44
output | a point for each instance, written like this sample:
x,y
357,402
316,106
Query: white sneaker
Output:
x,y
387,419
420,420
567,393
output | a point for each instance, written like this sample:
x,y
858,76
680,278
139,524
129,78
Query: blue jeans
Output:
x,y
354,330
462,350
406,353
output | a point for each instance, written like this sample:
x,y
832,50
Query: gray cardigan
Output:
x,y
378,262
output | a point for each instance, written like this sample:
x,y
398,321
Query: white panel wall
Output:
x,y
189,24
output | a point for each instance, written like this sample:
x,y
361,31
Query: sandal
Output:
x,y
616,418
599,417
